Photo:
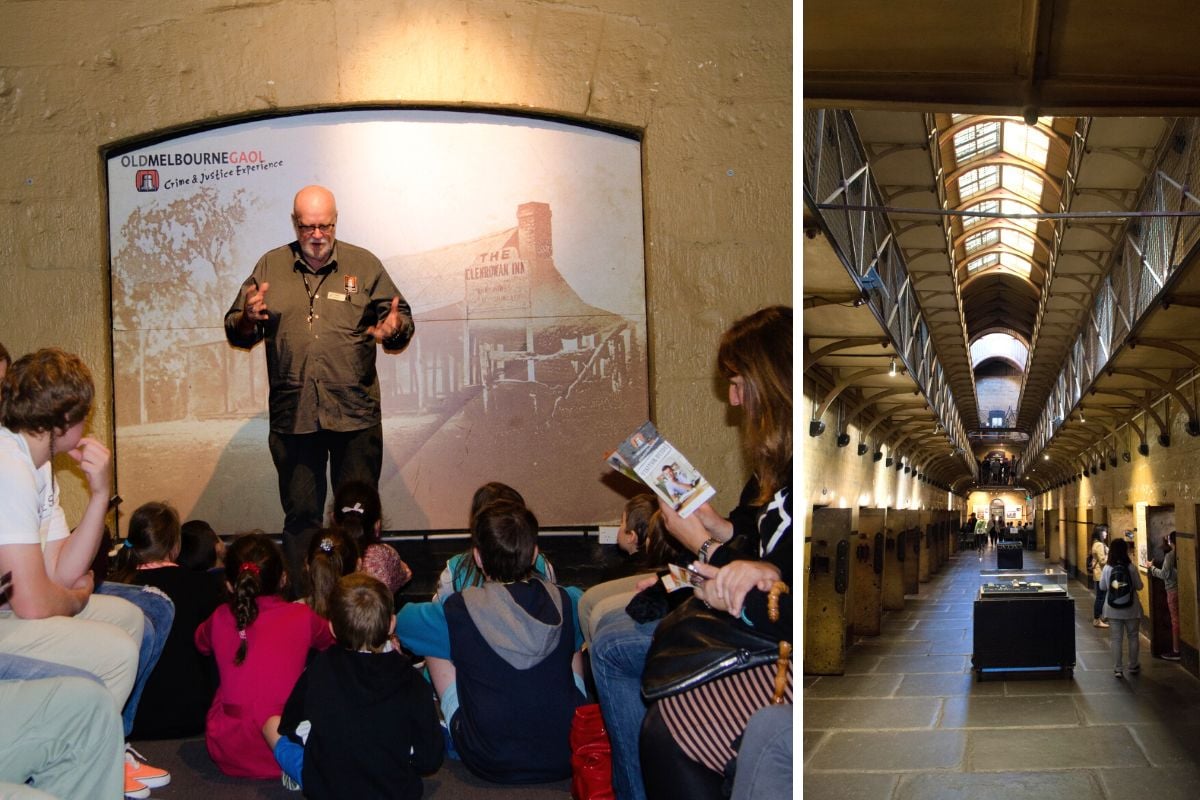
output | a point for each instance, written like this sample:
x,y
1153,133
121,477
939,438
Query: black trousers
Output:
x,y
667,772
301,460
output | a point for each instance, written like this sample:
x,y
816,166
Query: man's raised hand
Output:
x,y
390,324
254,308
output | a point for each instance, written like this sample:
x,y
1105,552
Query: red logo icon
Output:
x,y
146,180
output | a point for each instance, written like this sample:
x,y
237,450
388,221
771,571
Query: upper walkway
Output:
x,y
908,720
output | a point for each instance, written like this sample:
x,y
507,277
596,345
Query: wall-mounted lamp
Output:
x,y
892,370
862,449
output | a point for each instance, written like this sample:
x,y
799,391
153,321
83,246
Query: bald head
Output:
x,y
315,200
314,213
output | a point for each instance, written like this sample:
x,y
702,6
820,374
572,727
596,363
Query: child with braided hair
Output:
x,y
260,643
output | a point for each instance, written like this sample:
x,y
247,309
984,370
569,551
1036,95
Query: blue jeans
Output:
x,y
764,762
1098,608
618,655
21,668
160,613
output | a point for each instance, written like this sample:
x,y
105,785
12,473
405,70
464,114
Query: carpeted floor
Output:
x,y
195,777
578,560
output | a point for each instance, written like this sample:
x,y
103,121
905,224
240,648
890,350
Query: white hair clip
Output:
x,y
356,508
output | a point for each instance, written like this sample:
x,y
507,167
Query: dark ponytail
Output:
x,y
332,554
153,536
357,511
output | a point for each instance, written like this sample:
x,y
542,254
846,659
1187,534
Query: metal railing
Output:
x,y
837,172
1151,250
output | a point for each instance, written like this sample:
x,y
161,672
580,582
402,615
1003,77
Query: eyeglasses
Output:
x,y
309,230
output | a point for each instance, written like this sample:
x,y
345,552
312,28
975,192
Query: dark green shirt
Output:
x,y
320,357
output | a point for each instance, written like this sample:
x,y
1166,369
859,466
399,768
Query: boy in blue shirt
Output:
x,y
508,670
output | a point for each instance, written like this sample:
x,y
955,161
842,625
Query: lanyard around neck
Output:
x,y
312,293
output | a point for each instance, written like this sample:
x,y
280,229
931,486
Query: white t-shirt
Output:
x,y
29,509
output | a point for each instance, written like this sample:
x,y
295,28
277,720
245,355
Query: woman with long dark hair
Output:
x,y
1121,606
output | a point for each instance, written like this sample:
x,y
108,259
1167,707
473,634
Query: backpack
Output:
x,y
1120,587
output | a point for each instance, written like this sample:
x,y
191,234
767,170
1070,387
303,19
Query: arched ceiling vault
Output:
x,y
937,122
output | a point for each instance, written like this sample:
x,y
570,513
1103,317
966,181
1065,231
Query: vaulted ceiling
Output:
x,y
1010,145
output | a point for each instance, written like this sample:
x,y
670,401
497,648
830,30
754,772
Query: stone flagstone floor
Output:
x,y
908,720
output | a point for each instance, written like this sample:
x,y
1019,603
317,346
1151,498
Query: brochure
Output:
x,y
648,457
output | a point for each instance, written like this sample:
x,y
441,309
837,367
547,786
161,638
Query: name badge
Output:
x,y
341,298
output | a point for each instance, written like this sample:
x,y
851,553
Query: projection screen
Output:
x,y
517,242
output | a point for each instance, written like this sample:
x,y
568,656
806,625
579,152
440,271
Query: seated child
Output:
x,y
512,688
357,511
200,549
461,570
371,721
332,554
180,689
260,643
643,537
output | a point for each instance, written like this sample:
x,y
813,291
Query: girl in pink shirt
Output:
x,y
260,643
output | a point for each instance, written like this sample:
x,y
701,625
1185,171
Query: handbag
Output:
x,y
695,644
591,755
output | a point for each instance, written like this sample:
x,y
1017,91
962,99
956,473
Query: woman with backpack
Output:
x,y
1122,583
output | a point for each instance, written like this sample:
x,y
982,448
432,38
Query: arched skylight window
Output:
x,y
999,345
1006,206
984,261
977,241
1026,143
977,181
1023,182
1016,264
1021,242
976,141
986,207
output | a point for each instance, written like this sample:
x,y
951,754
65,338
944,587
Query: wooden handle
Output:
x,y
773,600
781,672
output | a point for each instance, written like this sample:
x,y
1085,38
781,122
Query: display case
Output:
x,y
1024,621
1050,582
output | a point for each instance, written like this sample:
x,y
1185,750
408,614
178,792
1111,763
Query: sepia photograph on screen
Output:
x,y
518,244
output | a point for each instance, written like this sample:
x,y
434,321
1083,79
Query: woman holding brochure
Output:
x,y
742,558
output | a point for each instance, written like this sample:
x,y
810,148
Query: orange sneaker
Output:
x,y
142,773
135,788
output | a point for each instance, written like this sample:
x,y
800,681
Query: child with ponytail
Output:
x,y
180,689
358,512
260,643
332,554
